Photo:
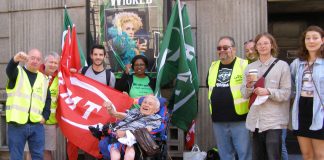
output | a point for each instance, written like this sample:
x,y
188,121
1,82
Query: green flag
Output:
x,y
177,63
68,22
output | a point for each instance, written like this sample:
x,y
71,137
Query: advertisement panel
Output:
x,y
132,27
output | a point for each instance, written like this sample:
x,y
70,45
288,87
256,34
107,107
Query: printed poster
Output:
x,y
132,27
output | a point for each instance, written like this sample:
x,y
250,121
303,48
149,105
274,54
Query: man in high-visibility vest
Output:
x,y
227,107
50,69
27,106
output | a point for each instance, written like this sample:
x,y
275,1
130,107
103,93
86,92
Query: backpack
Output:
x,y
108,71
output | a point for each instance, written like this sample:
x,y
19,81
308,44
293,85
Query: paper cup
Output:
x,y
254,74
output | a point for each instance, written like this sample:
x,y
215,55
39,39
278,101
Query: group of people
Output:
x,y
250,99
34,112
249,130
33,92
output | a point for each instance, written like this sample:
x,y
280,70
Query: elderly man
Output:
x,y
227,107
50,69
27,106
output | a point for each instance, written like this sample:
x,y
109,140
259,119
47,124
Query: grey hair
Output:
x,y
231,39
157,102
52,53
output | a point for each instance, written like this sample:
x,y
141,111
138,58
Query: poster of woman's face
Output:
x,y
129,31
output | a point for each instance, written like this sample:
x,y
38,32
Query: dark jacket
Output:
x,y
124,84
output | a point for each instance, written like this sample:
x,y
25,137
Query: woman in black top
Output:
x,y
138,84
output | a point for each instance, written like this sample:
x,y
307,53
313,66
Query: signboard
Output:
x,y
132,27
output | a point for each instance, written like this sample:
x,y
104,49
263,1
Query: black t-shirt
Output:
x,y
222,102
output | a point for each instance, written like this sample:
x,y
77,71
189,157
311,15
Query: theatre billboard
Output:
x,y
129,28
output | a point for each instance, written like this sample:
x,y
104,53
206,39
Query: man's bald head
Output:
x,y
34,60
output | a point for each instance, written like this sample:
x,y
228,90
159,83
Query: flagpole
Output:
x,y
180,17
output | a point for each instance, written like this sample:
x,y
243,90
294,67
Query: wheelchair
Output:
x,y
159,135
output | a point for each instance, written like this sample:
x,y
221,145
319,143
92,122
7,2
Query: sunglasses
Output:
x,y
225,48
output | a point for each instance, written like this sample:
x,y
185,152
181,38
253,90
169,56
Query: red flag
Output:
x,y
190,137
74,51
70,57
80,101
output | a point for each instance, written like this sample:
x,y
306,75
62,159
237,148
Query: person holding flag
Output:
x,y
79,102
97,72
28,105
50,69
227,107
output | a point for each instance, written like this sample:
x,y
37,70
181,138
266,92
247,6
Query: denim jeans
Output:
x,y
284,153
267,144
18,135
232,138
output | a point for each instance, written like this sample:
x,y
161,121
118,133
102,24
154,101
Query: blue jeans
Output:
x,y
284,153
232,138
18,135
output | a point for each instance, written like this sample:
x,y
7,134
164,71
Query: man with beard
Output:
x,y
227,107
98,72
249,48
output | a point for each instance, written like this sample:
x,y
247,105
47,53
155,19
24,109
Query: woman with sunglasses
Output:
x,y
138,84
308,113
267,119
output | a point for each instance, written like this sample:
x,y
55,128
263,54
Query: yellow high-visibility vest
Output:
x,y
241,104
54,89
25,101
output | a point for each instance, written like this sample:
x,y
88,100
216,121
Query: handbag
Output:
x,y
260,83
195,154
145,141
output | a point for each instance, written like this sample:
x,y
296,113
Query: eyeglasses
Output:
x,y
262,44
225,48
35,58
139,65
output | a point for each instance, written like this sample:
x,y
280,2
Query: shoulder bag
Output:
x,y
260,83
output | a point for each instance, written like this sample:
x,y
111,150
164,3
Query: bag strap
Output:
x,y
137,118
195,148
311,71
108,71
84,69
266,73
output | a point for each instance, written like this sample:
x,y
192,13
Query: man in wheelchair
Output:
x,y
122,133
